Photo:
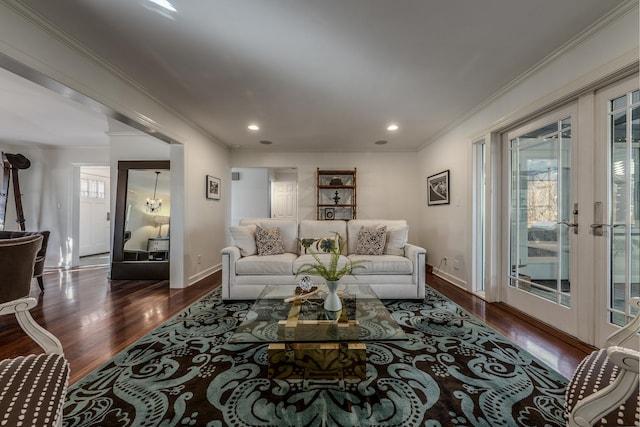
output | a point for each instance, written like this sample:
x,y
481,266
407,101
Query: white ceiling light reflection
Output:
x,y
165,4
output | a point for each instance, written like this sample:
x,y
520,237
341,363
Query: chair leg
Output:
x,y
40,283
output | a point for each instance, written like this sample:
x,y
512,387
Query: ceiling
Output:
x,y
314,75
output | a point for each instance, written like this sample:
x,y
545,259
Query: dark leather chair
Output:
x,y
34,386
38,268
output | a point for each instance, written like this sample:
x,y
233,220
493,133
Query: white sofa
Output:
x,y
399,273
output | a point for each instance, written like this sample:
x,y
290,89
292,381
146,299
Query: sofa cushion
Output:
x,y
288,230
354,226
267,265
397,237
269,241
382,264
324,258
371,240
245,238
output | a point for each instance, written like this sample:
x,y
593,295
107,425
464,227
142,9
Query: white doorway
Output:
x,y
94,223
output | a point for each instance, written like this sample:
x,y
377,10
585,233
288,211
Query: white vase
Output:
x,y
332,301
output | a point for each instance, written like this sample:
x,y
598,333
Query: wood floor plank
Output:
x,y
96,318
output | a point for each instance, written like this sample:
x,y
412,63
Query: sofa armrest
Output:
x,y
412,251
418,257
230,255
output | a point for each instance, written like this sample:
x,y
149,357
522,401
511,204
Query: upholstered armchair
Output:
x,y
38,268
32,387
604,389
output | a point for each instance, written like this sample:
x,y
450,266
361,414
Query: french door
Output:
x,y
571,218
542,211
616,214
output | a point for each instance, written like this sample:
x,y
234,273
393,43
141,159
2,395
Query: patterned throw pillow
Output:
x,y
321,245
371,241
269,241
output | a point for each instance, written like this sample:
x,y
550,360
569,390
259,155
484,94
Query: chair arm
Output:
x,y
629,330
600,403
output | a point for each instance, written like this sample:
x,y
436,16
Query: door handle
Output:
x,y
573,225
607,225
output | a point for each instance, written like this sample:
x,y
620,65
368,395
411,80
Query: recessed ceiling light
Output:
x,y
265,142
253,126
381,142
392,127
165,4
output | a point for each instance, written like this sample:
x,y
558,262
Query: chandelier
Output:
x,y
153,205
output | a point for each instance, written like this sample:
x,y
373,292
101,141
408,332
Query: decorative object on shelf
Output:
x,y
161,220
329,271
335,181
438,189
336,198
329,213
213,188
153,205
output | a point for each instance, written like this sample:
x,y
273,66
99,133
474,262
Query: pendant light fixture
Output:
x,y
154,205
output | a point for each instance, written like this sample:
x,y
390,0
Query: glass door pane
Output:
x,y
624,235
540,201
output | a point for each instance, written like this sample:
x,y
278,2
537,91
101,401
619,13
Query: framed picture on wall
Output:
x,y
438,189
213,188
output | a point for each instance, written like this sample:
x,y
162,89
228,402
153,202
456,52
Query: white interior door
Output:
x,y
284,199
616,212
94,213
542,208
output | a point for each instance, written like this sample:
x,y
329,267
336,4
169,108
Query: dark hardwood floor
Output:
x,y
96,318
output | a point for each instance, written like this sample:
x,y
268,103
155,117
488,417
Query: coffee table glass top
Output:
x,y
272,320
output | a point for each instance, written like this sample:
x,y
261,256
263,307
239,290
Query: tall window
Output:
x,y
479,214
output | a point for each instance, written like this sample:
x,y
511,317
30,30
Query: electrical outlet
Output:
x,y
199,259
444,260
456,264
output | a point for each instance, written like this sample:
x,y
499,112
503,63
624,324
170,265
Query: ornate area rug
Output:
x,y
454,371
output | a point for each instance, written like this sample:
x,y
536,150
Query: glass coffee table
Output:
x,y
308,342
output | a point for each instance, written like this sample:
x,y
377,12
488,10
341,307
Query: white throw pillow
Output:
x,y
245,238
397,237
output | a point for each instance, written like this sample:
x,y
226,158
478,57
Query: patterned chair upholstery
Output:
x,y
32,387
38,268
604,389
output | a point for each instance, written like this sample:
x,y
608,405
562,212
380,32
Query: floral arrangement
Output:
x,y
330,272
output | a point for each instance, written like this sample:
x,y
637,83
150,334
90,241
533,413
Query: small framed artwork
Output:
x,y
213,188
438,189
329,213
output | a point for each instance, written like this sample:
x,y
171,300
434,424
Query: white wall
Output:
x,y
204,221
47,194
388,186
447,229
253,185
